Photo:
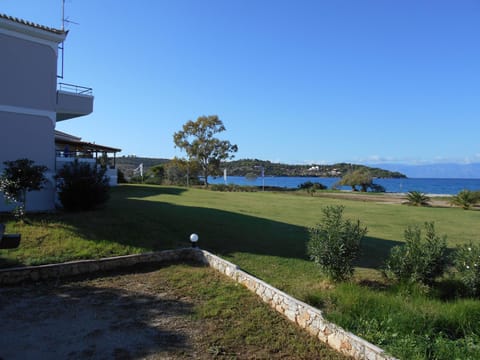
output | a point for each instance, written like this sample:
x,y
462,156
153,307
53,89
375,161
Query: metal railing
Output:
x,y
77,89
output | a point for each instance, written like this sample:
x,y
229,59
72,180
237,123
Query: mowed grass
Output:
x,y
266,234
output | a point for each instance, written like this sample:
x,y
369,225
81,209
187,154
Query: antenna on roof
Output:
x,y
61,47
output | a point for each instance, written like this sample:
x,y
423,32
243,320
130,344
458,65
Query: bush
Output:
x,y
465,199
467,263
311,185
417,260
232,188
335,243
416,198
82,187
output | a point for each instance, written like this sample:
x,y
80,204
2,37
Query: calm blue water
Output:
x,y
428,186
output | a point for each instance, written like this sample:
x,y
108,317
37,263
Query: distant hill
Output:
x,y
128,163
252,166
446,171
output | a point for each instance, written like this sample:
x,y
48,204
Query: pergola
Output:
x,y
71,146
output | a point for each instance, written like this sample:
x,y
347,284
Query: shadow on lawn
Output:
x,y
156,225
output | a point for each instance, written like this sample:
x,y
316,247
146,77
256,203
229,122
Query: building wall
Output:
x,y
30,70
28,73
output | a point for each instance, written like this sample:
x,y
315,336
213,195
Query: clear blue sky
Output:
x,y
293,81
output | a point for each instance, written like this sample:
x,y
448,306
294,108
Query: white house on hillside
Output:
x,y
31,102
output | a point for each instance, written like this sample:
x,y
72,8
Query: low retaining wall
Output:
x,y
304,315
43,272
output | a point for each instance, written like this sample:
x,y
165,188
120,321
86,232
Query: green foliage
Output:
x,y
361,177
417,260
19,177
417,198
335,243
121,177
467,263
233,188
198,141
243,166
180,172
465,199
81,186
311,185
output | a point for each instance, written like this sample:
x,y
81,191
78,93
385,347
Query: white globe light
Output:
x,y
194,238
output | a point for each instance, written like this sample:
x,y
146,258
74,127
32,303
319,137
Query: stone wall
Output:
x,y
43,272
304,315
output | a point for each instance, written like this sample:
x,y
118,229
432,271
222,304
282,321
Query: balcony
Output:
x,y
73,101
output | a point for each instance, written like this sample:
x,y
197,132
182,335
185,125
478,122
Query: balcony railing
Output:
x,y
76,89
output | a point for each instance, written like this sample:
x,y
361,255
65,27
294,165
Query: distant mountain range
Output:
x,y
446,171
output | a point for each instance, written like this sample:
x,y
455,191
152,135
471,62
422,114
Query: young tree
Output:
x,y
19,177
198,141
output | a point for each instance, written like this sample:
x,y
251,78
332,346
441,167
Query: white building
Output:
x,y
31,101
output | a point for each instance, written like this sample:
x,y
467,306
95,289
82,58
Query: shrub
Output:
x,y
311,185
465,198
335,243
19,177
417,260
81,186
416,198
467,263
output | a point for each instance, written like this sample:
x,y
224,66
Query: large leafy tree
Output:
x,y
198,140
360,177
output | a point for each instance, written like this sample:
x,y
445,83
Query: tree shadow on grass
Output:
x,y
93,320
155,225
132,219
375,251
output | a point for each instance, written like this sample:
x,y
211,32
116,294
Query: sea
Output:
x,y
427,186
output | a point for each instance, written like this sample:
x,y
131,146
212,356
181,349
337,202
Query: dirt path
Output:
x,y
386,198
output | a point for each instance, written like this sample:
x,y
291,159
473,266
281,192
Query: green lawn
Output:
x,y
266,234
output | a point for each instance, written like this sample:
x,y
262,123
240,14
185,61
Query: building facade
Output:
x,y
31,101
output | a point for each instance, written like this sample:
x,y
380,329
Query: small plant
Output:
x,y
81,186
417,260
417,198
335,243
19,177
465,199
467,263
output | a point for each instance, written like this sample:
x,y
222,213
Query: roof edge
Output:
x,y
30,28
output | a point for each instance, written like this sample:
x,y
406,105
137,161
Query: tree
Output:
x,y
19,177
198,141
360,177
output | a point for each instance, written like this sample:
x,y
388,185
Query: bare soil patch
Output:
x,y
147,314
385,198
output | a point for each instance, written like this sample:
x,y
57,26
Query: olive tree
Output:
x,y
360,177
197,139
